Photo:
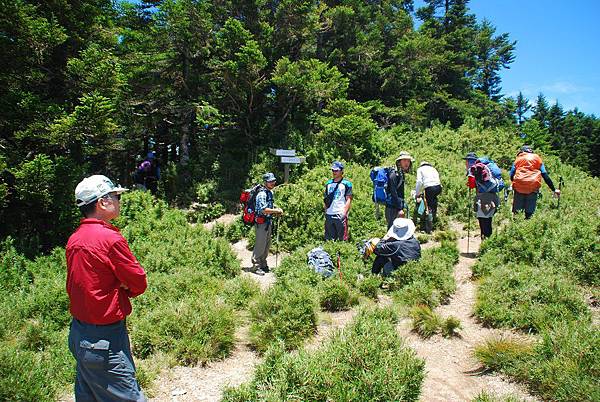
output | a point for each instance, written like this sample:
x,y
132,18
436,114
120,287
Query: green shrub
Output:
x,y
369,286
194,330
287,312
529,298
425,322
500,353
366,361
240,291
450,327
38,371
563,366
335,295
201,213
428,281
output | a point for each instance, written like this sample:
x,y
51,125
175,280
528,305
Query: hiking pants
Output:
x,y
384,264
485,226
391,213
525,202
431,196
105,370
336,227
262,244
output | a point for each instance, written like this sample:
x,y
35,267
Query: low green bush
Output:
x,y
425,322
194,330
428,281
369,286
335,295
528,298
450,327
366,361
484,396
285,313
562,366
240,291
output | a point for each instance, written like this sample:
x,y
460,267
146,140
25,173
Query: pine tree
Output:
x,y
522,107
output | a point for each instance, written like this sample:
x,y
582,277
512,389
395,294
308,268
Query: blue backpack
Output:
x,y
380,177
495,170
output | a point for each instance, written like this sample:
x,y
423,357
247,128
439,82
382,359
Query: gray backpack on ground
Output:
x,y
321,262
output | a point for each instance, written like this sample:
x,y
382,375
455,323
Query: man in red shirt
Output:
x,y
102,274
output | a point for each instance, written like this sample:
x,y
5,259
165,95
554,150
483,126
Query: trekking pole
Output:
x,y
561,182
469,221
276,241
339,264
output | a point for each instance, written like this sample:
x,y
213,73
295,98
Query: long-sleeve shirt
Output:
x,y
99,262
427,176
396,186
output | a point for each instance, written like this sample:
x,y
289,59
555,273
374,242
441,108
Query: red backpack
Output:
x,y
248,201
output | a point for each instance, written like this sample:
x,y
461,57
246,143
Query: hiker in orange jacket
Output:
x,y
526,174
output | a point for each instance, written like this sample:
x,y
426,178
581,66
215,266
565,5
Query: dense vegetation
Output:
x,y
210,86
87,87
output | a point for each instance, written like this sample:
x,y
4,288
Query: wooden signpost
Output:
x,y
288,157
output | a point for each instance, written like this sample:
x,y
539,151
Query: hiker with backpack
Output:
x,y
486,200
263,213
395,185
337,200
147,174
428,188
396,248
526,174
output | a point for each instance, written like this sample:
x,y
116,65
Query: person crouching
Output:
x,y
396,248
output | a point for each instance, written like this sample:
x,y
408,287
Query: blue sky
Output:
x,y
557,51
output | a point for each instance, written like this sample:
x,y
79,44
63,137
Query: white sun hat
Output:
x,y
402,229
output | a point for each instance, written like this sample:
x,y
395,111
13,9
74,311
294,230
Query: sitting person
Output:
x,y
396,248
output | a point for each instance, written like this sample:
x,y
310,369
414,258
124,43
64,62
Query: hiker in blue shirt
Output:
x,y
337,201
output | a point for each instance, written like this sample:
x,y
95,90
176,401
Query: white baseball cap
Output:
x,y
91,188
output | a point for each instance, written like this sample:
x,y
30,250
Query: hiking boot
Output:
x,y
259,271
266,269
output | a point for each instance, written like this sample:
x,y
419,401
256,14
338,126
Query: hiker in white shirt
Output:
x,y
428,184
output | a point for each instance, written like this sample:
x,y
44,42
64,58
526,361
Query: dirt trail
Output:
x,y
207,383
452,371
224,219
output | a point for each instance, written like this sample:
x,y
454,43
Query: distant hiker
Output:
x,y
102,275
428,184
265,210
526,174
336,201
147,174
396,248
486,199
396,182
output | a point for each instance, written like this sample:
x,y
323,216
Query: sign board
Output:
x,y
283,152
293,159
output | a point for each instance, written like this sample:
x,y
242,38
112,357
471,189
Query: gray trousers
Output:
x,y
105,370
262,244
336,227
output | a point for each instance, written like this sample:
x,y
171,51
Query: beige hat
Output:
x,y
402,229
405,155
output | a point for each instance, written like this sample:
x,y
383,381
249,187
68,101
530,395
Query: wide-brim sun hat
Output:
x,y
405,155
471,156
94,187
401,229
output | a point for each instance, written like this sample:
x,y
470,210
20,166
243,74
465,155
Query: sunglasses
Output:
x,y
113,196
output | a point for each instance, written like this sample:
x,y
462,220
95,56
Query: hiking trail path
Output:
x,y
452,373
